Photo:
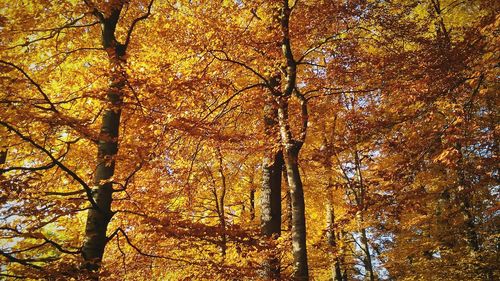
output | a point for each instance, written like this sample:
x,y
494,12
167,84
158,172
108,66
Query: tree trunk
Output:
x,y
252,204
328,151
298,215
98,219
99,216
271,195
271,189
465,204
291,149
3,156
331,237
221,207
368,259
288,201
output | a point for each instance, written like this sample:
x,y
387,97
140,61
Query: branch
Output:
x,y
230,98
72,174
129,177
132,26
63,27
39,236
336,91
318,45
95,11
25,262
53,31
45,96
226,58
69,193
44,167
115,233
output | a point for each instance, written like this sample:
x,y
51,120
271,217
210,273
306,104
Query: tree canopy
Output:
x,y
249,140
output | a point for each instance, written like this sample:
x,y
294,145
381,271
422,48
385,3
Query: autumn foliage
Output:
x,y
249,140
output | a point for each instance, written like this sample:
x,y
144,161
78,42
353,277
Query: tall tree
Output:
x,y
100,214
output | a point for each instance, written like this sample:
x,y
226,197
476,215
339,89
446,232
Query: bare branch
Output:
x,y
129,242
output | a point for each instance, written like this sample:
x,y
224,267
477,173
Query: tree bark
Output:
x,y
252,204
368,259
332,240
291,149
3,156
298,215
288,201
331,236
98,216
221,207
271,189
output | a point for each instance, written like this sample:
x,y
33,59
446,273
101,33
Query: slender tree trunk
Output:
x,y
221,208
331,237
252,204
288,201
330,209
465,204
271,189
345,276
368,259
361,202
98,217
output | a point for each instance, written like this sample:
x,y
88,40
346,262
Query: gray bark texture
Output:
x,y
271,190
291,149
298,216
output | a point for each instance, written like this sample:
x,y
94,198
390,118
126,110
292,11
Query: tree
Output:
x,y
373,121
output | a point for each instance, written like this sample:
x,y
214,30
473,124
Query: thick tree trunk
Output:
x,y
271,189
271,195
98,219
291,149
99,216
298,215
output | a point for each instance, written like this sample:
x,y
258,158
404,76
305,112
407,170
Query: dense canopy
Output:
x,y
249,140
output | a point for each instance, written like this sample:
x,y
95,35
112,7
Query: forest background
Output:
x,y
249,140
